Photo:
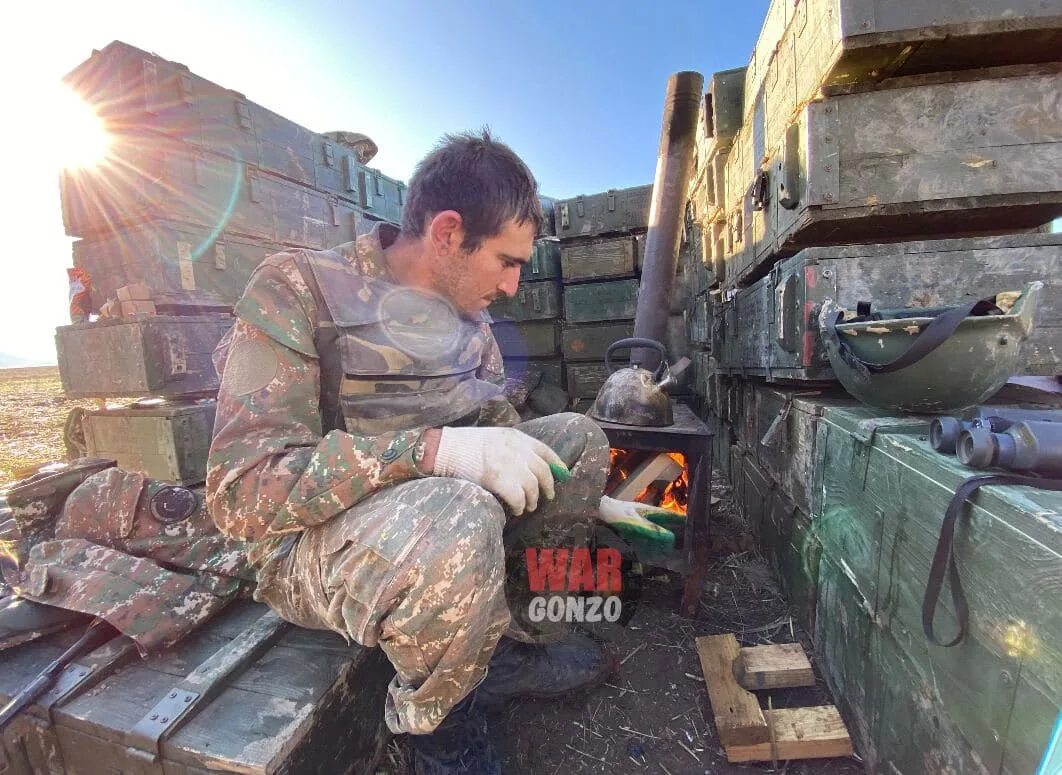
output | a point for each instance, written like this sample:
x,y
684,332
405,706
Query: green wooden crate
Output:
x,y
269,699
615,211
878,497
165,440
589,341
551,369
129,87
590,302
725,95
177,261
533,301
545,263
526,340
771,328
598,259
152,355
585,379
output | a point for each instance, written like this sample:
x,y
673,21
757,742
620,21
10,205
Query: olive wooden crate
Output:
x,y
156,178
526,340
589,341
610,212
533,301
545,262
152,355
585,379
879,494
598,259
590,302
812,45
182,264
131,88
952,154
551,369
264,698
165,440
771,328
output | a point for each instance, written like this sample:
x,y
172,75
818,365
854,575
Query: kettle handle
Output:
x,y
627,344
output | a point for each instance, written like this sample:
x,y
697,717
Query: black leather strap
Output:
x,y
930,338
944,559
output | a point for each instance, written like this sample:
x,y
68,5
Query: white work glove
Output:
x,y
512,465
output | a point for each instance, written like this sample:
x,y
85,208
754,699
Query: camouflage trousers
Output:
x,y
419,569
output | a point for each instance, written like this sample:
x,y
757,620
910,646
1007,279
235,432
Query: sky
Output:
x,y
576,88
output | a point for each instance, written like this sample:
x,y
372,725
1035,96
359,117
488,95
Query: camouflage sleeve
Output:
x,y
493,367
498,411
270,470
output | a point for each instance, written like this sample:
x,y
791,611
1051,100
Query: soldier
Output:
x,y
364,445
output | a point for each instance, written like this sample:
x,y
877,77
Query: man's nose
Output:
x,y
510,281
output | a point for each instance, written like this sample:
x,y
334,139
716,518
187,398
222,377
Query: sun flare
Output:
x,y
84,138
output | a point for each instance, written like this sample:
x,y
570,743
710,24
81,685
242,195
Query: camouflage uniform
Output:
x,y
329,377
111,549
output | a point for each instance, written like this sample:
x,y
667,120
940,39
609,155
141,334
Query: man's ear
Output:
x,y
446,230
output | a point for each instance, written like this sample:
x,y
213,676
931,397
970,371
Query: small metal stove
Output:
x,y
692,438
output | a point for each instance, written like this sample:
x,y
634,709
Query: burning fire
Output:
x,y
672,495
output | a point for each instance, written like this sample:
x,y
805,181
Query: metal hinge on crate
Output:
x,y
204,683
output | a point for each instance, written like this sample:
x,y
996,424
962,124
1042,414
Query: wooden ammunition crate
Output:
x,y
589,341
589,302
809,45
878,497
156,178
771,329
129,87
598,259
545,263
548,205
264,698
533,301
585,379
937,157
180,263
610,212
551,369
156,355
526,340
165,440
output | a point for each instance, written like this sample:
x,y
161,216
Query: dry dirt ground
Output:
x,y
32,412
653,716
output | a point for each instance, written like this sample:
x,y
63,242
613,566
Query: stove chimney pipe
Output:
x,y
674,166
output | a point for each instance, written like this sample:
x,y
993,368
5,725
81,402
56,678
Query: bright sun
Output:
x,y
84,138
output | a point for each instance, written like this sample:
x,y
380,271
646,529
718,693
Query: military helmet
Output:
x,y
929,361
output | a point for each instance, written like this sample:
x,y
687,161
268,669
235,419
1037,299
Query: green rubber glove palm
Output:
x,y
640,522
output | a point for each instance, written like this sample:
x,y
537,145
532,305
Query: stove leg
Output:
x,y
699,460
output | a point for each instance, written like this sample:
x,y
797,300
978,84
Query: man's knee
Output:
x,y
583,425
467,532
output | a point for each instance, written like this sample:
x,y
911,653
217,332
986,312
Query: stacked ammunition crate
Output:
x,y
200,185
579,292
909,155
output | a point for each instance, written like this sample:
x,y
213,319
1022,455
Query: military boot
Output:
x,y
460,745
575,664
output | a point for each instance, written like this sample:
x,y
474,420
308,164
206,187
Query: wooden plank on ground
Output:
x,y
778,666
800,733
738,717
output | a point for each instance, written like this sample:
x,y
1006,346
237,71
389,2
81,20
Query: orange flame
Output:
x,y
674,495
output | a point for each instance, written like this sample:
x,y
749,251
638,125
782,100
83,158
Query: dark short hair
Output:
x,y
478,177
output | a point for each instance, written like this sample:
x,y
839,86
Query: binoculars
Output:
x,y
1014,439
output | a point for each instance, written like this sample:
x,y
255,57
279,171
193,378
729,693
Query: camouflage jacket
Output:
x,y
325,389
140,553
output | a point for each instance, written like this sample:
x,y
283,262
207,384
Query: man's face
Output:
x,y
471,280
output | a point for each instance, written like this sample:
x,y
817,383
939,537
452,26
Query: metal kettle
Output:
x,y
633,395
